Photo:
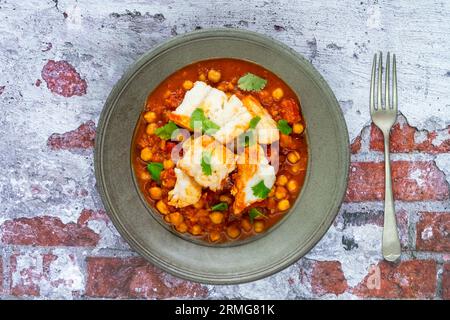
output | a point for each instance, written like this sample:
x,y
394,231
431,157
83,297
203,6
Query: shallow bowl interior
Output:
x,y
313,211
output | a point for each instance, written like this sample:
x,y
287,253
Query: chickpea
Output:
x,y
298,128
233,232
155,193
225,198
259,226
187,85
145,175
214,236
202,77
150,116
182,227
293,157
246,225
272,192
292,186
146,154
283,205
196,230
176,218
199,204
281,180
295,169
280,193
168,182
168,164
216,217
277,94
162,207
151,127
214,75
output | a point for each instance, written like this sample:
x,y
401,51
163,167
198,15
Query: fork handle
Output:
x,y
391,243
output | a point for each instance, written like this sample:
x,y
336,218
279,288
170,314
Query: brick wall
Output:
x,y
56,240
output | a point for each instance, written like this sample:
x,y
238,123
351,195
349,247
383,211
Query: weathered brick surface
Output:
x,y
1,275
54,275
47,231
446,282
355,147
433,232
135,278
328,277
405,138
408,279
54,81
79,139
62,79
412,181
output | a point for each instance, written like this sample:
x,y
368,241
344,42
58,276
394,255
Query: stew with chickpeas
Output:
x,y
220,150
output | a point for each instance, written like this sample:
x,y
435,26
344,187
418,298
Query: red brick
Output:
x,y
408,279
446,282
25,279
403,139
79,139
62,79
92,215
47,231
327,277
1,275
35,274
433,232
412,181
356,145
347,219
135,278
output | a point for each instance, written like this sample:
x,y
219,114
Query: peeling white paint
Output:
x,y
427,233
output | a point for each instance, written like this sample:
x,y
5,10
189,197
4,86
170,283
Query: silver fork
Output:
x,y
384,117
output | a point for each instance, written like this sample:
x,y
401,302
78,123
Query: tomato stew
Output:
x,y
199,220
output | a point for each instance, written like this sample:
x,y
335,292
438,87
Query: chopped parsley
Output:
x,y
155,169
222,206
206,163
254,122
254,213
165,132
284,127
260,190
198,117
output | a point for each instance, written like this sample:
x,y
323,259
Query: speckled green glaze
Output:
x,y
314,210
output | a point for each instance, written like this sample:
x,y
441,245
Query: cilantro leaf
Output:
x,y
260,190
206,125
284,127
254,122
165,132
251,82
206,163
247,139
222,206
254,213
155,169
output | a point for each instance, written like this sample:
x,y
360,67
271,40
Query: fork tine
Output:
x,y
387,95
372,85
394,84
380,81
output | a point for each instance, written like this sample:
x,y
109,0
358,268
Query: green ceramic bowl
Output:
x,y
315,208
